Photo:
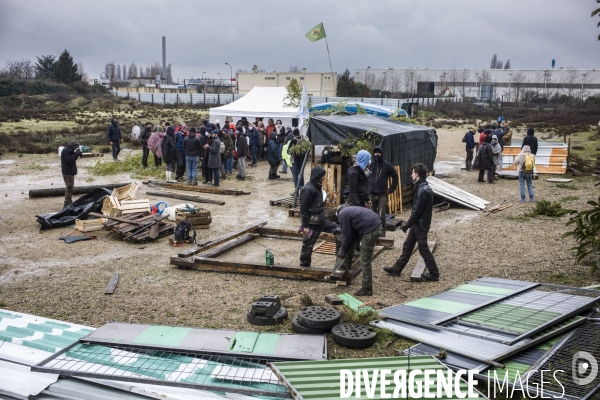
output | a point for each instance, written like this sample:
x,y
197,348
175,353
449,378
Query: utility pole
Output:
x,y
366,71
230,77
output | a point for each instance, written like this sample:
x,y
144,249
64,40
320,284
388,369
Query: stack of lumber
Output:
x,y
122,201
89,225
200,219
499,207
137,227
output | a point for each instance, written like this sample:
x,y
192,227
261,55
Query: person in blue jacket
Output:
x,y
469,140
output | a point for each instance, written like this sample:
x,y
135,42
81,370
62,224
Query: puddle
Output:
x,y
7,162
446,167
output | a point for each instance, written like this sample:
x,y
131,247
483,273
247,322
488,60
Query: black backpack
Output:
x,y
182,232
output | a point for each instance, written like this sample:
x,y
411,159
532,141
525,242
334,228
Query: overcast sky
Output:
x,y
203,35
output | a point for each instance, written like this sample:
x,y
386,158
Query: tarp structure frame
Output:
x,y
403,144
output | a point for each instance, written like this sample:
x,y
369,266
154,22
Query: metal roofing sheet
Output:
x,y
306,347
456,194
38,332
18,381
321,379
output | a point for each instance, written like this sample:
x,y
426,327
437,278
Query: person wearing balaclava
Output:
x,y
418,227
312,216
114,137
68,165
485,160
281,134
358,185
168,148
381,172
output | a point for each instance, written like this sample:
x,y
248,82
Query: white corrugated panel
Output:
x,y
455,194
18,381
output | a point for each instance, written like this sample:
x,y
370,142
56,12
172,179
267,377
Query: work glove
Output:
x,y
404,228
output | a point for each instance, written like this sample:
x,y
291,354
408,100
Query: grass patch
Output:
x,y
34,166
568,186
132,164
569,198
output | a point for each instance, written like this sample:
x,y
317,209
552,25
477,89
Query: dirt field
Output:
x,y
44,276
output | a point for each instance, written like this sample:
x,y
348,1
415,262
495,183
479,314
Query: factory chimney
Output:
x,y
164,60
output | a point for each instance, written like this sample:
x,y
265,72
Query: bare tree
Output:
x,y
463,78
294,69
518,79
81,71
133,71
370,81
124,72
394,81
119,72
507,64
494,61
585,80
485,76
19,69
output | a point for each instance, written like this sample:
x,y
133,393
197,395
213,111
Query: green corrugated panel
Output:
x,y
163,335
354,303
483,290
511,368
510,318
446,306
321,379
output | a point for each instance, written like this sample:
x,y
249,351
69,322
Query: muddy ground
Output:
x,y
44,276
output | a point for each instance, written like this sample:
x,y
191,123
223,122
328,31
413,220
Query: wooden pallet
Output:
x,y
332,184
395,198
325,247
294,212
137,226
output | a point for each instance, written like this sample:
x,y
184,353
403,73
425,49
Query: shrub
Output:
x,y
586,231
546,208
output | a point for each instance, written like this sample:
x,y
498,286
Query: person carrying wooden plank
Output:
x,y
359,224
381,171
312,215
419,224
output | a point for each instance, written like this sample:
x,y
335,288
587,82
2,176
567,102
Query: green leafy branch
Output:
x,y
586,232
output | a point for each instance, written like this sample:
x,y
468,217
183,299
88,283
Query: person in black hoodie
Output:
x,y
485,161
419,224
312,215
143,139
193,148
531,141
274,156
114,137
358,185
169,152
381,171
242,152
68,165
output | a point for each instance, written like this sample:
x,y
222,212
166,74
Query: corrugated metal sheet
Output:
x,y
551,157
18,381
456,194
38,332
321,379
451,303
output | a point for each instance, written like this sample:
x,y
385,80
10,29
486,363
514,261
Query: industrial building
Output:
x,y
483,84
317,83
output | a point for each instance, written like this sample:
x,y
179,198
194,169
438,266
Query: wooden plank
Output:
x,y
388,243
281,271
199,188
222,239
355,270
230,245
294,212
333,299
420,266
112,284
197,199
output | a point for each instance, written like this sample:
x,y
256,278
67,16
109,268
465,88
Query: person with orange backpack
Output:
x,y
526,162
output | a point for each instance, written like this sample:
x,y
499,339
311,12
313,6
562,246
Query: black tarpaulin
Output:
x,y
79,209
403,144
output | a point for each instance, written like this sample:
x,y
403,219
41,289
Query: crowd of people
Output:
x,y
488,150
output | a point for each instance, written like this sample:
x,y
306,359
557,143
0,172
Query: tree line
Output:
x,y
120,75
61,70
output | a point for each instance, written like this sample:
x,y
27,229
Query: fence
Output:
x,y
226,98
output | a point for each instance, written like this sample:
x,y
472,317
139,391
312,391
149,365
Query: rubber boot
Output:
x,y
168,176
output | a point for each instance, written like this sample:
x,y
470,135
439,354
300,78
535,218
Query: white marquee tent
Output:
x,y
265,102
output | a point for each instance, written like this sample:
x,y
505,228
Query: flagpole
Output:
x,y
329,56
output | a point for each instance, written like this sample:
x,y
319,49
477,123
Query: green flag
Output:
x,y
316,33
